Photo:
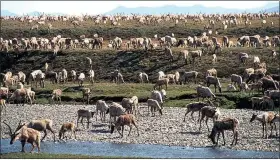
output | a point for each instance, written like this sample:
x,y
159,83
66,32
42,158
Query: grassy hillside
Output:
x,y
134,61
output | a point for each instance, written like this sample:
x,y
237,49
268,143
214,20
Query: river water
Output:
x,y
136,150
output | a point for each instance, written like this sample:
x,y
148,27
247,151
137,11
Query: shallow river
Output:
x,y
136,150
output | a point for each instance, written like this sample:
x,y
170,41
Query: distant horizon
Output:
x,y
102,7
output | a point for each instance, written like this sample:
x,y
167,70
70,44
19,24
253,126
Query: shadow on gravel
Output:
x,y
106,138
260,137
99,125
100,131
193,133
274,136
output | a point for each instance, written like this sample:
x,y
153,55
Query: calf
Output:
x,y
69,126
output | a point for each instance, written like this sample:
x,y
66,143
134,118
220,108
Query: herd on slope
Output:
x,y
126,112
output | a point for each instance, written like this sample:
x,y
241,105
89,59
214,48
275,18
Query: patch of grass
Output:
x,y
177,95
42,101
178,103
19,155
227,104
112,89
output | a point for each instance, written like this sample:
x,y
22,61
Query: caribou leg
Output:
x,y
263,130
45,131
49,128
192,115
78,121
122,130
223,134
88,123
236,137
33,146
186,115
74,134
38,145
218,138
207,124
130,127
198,116
82,122
271,128
22,145
120,133
202,117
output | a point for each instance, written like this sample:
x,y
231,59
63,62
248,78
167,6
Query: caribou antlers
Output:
x,y
10,129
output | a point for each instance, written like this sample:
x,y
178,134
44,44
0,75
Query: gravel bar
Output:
x,y
168,129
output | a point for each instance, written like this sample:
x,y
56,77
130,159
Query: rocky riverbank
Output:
x,y
168,129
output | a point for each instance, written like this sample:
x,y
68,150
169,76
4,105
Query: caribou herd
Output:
x,y
208,39
126,112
